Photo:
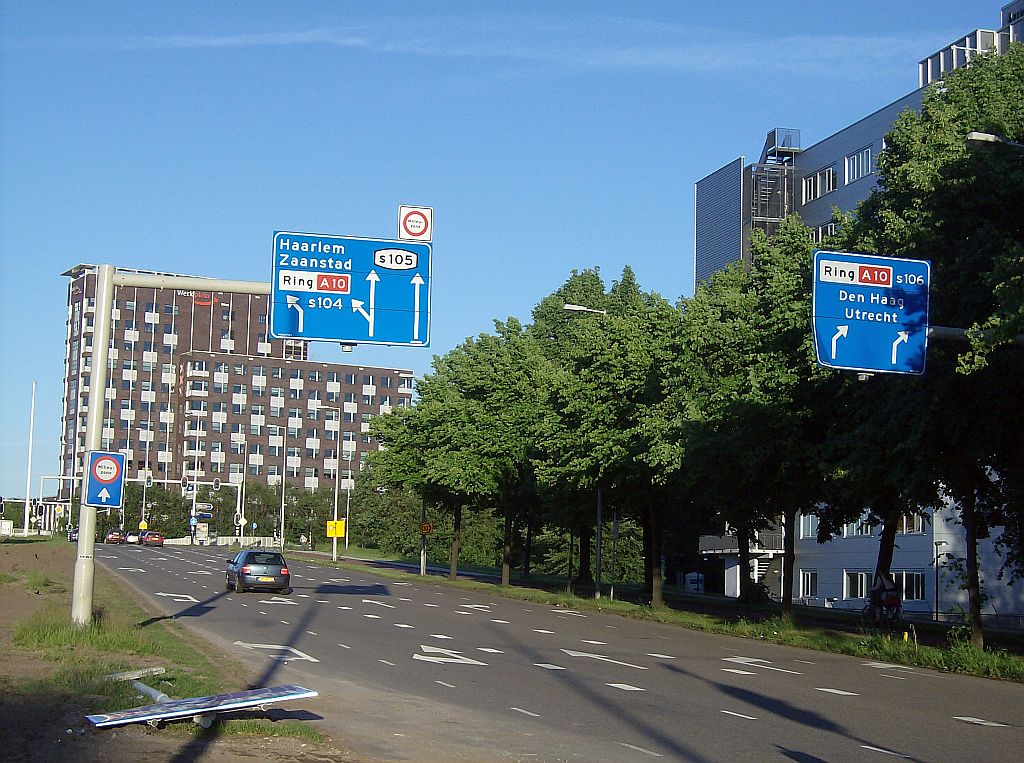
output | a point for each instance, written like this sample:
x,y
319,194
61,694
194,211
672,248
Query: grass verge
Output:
x,y
124,636
958,657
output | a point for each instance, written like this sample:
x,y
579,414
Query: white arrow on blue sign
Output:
x,y
350,290
104,480
870,313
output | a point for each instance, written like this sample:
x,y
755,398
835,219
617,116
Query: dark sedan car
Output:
x,y
253,569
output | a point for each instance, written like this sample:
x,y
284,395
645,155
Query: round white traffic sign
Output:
x,y
414,223
106,469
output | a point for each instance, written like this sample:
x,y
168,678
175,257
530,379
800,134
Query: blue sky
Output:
x,y
547,136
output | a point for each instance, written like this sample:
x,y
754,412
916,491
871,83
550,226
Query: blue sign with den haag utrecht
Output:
x,y
870,313
350,290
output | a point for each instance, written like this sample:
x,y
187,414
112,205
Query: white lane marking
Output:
x,y
548,666
572,612
450,686
373,617
285,622
344,607
404,598
322,601
401,584
295,654
837,691
503,622
757,662
660,656
739,672
886,752
279,600
602,658
245,605
591,641
344,646
480,607
403,625
460,612
898,678
198,572
179,597
738,715
806,662
302,595
541,630
489,650
977,721
440,635
639,749
431,605
262,612
378,603
337,580
387,663
625,687
132,569
437,654
311,633
524,712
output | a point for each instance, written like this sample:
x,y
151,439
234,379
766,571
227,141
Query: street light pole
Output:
x,y
938,544
28,470
348,496
284,473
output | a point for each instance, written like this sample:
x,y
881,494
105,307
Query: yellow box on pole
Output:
x,y
336,529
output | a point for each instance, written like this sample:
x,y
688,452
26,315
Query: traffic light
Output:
x,y
149,480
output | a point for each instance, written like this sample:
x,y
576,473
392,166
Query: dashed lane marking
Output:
x,y
625,687
450,686
548,666
639,749
738,715
977,721
840,692
524,712
883,751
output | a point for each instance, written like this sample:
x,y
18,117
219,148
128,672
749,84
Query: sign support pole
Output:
x,y
82,588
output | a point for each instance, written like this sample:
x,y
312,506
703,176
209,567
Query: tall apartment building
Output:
x,y
196,388
838,171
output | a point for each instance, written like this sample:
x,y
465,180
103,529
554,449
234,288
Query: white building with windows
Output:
x,y
928,566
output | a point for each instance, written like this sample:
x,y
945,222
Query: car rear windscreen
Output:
x,y
266,559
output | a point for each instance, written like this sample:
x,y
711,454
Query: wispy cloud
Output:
x,y
576,42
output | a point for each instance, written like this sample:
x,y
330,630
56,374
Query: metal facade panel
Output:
x,y
718,236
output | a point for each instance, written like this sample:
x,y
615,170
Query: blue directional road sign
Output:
x,y
104,481
350,290
870,313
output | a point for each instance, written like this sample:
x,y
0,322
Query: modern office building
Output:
x,y
196,388
838,171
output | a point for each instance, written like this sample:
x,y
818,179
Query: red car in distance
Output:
x,y
151,538
114,536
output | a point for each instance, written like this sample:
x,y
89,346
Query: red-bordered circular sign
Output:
x,y
415,223
106,469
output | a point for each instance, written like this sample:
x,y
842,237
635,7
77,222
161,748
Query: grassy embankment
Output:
x,y
122,636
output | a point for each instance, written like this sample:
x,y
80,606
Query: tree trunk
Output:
x,y
506,555
528,549
788,560
453,561
586,576
973,579
743,542
648,588
568,579
657,582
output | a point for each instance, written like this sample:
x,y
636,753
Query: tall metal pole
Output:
x,y
597,554
85,565
284,474
348,501
938,544
423,538
28,469
337,479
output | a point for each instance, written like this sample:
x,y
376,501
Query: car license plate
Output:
x,y
266,580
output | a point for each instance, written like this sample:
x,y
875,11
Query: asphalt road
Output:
x,y
424,672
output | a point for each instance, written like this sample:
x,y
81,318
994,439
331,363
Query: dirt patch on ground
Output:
x,y
47,726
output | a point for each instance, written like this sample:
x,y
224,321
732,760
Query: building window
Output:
x,y
819,183
350,378
910,524
861,527
857,585
809,526
808,584
859,165
910,584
